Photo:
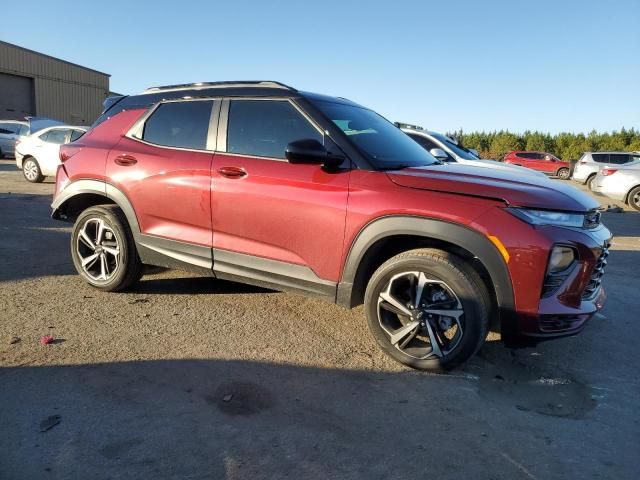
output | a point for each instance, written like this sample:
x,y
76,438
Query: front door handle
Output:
x,y
232,172
125,160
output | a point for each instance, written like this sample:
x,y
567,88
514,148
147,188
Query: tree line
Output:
x,y
566,146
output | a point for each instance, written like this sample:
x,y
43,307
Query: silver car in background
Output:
x,y
12,131
587,167
620,182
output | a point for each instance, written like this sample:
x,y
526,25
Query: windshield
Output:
x,y
458,149
384,144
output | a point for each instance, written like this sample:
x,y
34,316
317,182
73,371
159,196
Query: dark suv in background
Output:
x,y
261,183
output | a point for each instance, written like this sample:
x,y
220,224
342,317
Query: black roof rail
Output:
x,y
236,84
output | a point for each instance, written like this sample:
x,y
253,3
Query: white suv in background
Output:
x,y
587,167
448,150
38,155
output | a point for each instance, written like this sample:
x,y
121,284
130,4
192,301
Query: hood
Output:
x,y
482,163
512,188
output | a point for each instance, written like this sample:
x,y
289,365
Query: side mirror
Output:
x,y
311,151
439,154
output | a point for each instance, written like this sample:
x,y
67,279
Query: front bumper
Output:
x,y
19,157
580,295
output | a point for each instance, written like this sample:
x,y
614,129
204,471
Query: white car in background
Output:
x,y
448,150
38,155
620,182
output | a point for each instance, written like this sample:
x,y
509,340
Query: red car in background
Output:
x,y
540,161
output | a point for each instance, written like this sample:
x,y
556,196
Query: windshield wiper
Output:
x,y
402,166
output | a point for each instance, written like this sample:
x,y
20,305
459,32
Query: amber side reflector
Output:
x,y
503,251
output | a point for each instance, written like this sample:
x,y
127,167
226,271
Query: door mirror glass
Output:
x,y
439,154
311,151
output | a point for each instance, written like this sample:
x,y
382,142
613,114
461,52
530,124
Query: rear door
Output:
x,y
163,168
546,163
272,219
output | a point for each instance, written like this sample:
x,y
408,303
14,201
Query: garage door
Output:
x,y
16,97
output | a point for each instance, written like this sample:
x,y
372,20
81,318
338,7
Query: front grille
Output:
x,y
596,276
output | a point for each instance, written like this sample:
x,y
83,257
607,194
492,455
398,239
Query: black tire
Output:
x,y
31,170
590,181
129,269
564,174
460,278
634,198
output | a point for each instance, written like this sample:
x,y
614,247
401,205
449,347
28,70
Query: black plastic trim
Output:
x,y
464,237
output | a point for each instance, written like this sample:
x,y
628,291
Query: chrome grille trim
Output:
x,y
595,281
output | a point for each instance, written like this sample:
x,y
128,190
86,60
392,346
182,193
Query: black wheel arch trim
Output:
x,y
464,237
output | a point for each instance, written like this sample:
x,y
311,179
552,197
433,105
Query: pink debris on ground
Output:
x,y
46,340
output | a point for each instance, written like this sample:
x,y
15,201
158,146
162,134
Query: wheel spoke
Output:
x,y
111,250
86,240
88,261
103,266
422,280
435,346
387,297
100,232
403,332
455,313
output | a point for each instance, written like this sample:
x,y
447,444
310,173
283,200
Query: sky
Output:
x,y
446,65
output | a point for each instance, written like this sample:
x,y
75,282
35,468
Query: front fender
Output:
x,y
461,236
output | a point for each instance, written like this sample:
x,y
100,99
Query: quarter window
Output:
x,y
179,124
264,128
76,134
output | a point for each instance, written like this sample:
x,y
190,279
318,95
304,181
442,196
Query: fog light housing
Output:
x,y
560,259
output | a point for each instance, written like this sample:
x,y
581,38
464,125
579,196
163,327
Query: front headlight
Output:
x,y
547,217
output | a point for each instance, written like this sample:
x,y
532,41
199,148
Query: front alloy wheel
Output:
x,y
428,309
422,316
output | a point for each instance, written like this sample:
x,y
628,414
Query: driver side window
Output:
x,y
264,128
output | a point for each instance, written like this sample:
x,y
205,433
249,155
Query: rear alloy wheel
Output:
x,y
563,174
103,249
428,309
634,198
31,170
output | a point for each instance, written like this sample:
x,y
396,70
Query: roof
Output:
x,y
53,58
21,122
616,152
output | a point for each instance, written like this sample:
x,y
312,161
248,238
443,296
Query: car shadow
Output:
x,y
8,165
214,418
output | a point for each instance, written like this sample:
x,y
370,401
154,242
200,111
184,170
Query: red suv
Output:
x,y
540,161
260,183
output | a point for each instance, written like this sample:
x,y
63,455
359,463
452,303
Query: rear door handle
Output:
x,y
125,160
232,172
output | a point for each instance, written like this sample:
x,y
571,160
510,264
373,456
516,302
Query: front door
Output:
x,y
273,220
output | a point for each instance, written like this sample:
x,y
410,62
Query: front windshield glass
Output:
x,y
459,150
384,144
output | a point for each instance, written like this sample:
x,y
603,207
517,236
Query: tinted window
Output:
x,y
423,141
619,158
458,149
600,157
264,128
525,155
384,144
9,128
429,145
179,124
76,134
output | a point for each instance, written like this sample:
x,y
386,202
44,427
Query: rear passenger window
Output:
x,y
619,158
600,157
263,128
55,136
179,124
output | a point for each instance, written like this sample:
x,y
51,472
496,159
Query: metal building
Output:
x,y
35,84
